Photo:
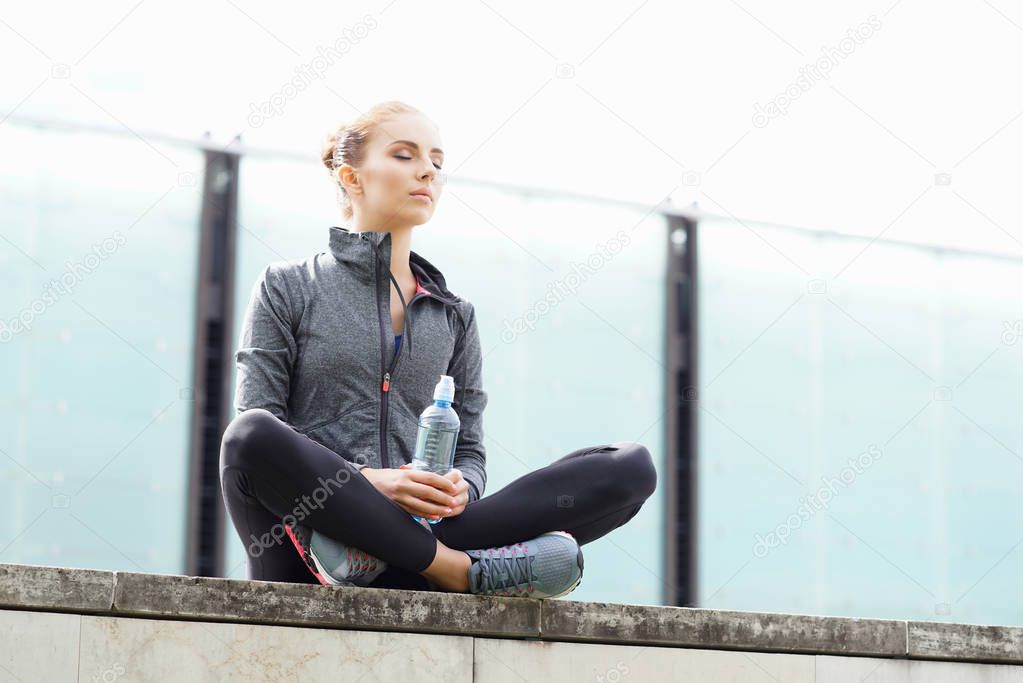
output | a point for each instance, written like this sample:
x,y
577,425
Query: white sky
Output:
x,y
658,95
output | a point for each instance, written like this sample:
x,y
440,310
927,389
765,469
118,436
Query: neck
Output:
x,y
401,245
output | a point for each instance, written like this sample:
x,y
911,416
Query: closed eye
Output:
x,y
410,158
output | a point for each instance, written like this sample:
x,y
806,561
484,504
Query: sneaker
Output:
x,y
549,566
333,563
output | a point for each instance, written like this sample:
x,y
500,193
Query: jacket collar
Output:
x,y
357,250
361,250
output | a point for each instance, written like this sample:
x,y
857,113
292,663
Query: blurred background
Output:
x,y
777,245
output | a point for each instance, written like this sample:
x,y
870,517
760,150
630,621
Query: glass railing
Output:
x,y
97,270
860,442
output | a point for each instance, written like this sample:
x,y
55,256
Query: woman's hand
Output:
x,y
420,493
462,491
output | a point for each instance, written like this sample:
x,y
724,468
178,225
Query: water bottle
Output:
x,y
438,434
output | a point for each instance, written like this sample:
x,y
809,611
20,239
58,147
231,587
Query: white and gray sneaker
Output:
x,y
548,566
332,562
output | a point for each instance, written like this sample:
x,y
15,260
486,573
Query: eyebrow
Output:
x,y
414,145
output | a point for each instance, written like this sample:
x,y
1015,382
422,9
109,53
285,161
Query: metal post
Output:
x,y
211,372
680,548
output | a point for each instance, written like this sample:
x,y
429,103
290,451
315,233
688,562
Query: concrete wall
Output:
x,y
61,624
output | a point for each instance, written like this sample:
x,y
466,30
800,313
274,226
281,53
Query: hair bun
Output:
x,y
327,153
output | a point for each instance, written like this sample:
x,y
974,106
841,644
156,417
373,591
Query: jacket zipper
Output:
x,y
388,378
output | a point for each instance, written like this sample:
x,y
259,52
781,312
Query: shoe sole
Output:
x,y
307,557
323,571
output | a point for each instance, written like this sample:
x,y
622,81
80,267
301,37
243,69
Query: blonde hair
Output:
x,y
347,145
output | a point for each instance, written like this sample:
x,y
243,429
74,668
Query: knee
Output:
x,y
633,476
246,429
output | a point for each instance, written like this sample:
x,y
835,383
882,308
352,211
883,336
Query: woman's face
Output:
x,y
402,163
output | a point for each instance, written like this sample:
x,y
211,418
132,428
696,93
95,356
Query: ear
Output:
x,y
349,179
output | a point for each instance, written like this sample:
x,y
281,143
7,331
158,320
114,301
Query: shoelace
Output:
x,y
363,562
516,567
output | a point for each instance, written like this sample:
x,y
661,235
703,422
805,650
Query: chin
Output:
x,y
424,210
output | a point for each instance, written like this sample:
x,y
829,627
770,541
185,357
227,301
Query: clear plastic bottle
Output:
x,y
438,434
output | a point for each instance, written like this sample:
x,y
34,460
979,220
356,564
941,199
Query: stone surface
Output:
x,y
24,586
645,624
869,670
939,640
38,646
158,651
327,606
35,590
511,661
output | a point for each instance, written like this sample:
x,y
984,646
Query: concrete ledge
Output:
x,y
965,642
60,589
349,607
173,597
693,627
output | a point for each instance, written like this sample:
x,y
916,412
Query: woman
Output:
x,y
314,466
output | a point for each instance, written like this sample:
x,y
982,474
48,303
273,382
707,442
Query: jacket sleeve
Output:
x,y
466,368
266,348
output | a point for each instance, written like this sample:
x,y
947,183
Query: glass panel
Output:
x,y
859,434
97,266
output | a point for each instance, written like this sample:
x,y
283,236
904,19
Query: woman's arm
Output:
x,y
267,348
466,367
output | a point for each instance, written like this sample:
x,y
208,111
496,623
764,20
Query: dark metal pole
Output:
x,y
212,364
680,549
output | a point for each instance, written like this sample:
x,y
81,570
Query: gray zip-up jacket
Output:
x,y
317,350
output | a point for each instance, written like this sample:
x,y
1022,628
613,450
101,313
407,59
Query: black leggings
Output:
x,y
271,474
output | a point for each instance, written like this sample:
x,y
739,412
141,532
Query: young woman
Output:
x,y
314,465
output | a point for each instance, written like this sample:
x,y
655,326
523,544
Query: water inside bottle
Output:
x,y
435,447
435,452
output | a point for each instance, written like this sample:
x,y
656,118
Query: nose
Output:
x,y
429,172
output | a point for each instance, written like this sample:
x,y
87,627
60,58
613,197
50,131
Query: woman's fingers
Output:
x,y
427,494
435,480
423,508
430,495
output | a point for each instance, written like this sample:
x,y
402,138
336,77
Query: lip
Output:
x,y
423,193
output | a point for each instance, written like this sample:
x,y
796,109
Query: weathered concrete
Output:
x,y
39,646
55,588
118,649
688,627
965,642
347,607
170,597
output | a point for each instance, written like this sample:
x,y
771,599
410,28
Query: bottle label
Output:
x,y
435,447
